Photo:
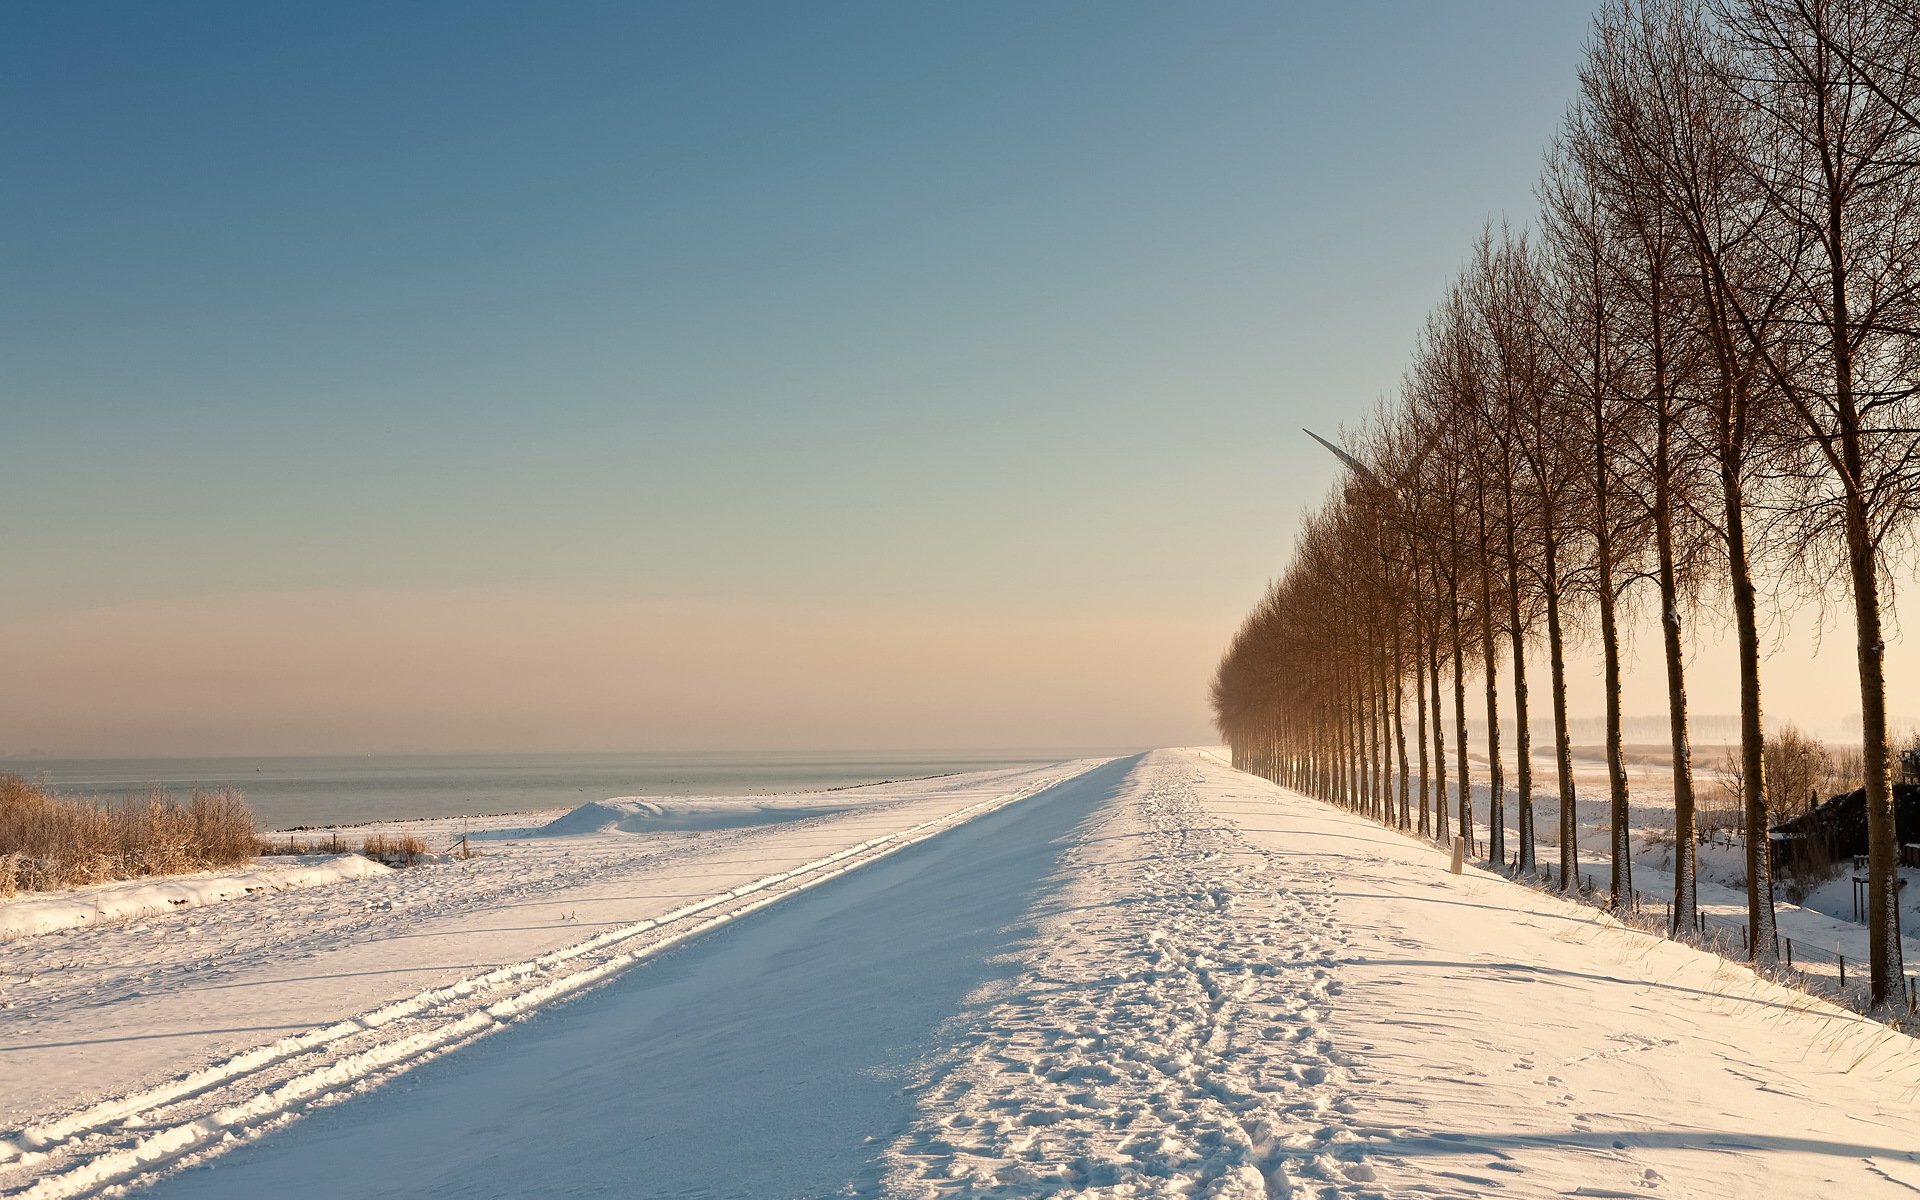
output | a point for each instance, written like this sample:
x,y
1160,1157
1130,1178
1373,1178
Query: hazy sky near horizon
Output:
x,y
616,376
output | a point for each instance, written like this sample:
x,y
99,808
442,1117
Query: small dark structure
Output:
x,y
1835,830
1910,765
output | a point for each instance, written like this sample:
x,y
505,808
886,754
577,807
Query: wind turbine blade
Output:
x,y
1359,468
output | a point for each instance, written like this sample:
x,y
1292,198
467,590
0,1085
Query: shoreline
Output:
x,y
296,794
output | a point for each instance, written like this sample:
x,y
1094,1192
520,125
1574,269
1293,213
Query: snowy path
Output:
x,y
94,1012
757,1063
1242,993
642,895
1158,978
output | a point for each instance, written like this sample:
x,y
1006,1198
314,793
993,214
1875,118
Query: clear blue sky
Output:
x,y
894,324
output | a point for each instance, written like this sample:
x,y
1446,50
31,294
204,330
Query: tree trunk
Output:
x,y
1465,786
1496,784
1885,954
1383,725
1439,741
1620,838
1420,716
1399,715
1753,757
1562,743
1361,784
1685,911
1376,744
1522,735
1343,760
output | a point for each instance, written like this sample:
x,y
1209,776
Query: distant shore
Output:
x,y
295,792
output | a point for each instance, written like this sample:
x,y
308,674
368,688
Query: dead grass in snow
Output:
x,y
50,841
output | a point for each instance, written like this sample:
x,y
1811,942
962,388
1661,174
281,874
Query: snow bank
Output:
x,y
125,1138
37,913
635,814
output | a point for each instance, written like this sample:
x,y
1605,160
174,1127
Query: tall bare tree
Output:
x,y
1722,319
1587,338
1842,176
1688,139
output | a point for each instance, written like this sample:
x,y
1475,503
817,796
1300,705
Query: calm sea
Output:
x,y
342,790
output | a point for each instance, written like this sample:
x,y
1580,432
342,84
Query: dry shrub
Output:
x,y
15,791
397,850
50,841
223,827
1848,770
154,837
1801,772
1719,817
293,843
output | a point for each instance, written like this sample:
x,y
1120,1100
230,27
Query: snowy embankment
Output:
x,y
112,1069
761,1062
36,913
1815,933
1243,993
1163,978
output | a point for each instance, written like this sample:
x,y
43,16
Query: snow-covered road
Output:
x,y
767,1061
155,1027
1160,977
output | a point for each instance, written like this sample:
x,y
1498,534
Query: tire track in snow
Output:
x,y
112,1145
1167,1037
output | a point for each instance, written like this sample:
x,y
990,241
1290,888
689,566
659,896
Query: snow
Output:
x,y
1240,992
751,1064
37,913
1821,928
128,1047
1152,977
637,814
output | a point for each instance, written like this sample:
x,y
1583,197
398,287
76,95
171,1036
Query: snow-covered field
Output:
x,y
1151,977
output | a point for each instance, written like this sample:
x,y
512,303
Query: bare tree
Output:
x,y
1547,425
1583,248
1687,138
1842,176
1663,308
1722,319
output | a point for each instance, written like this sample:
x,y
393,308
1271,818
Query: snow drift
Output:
x,y
634,814
46,912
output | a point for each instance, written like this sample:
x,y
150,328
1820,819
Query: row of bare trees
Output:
x,y
1696,380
